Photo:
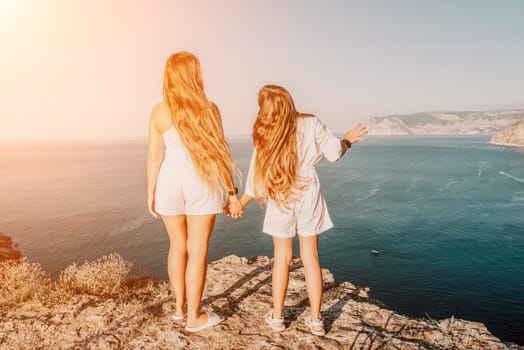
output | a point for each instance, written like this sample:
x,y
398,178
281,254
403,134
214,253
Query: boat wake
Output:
x,y
511,176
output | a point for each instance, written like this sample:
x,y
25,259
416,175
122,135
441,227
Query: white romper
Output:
x,y
180,189
309,215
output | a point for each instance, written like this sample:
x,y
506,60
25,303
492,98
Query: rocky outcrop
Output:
x,y
444,123
240,290
7,251
511,136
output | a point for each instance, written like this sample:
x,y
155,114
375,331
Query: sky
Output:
x,y
77,69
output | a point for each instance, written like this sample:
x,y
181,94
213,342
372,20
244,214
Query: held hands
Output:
x,y
356,134
234,207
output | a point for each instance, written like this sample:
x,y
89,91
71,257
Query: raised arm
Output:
x,y
331,147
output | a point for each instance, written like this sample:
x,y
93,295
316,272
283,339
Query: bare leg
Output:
x,y
177,258
199,229
283,251
312,272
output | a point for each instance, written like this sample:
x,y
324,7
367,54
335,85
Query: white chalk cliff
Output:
x,y
511,136
444,123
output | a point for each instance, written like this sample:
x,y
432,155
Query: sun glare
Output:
x,y
7,11
6,5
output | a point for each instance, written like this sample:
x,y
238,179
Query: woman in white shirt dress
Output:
x,y
188,181
282,175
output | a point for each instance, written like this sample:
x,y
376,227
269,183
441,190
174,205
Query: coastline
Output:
x,y
136,313
506,144
510,135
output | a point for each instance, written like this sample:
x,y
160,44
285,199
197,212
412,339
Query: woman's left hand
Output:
x,y
235,208
151,205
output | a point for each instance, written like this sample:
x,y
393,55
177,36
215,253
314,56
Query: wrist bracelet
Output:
x,y
234,192
346,142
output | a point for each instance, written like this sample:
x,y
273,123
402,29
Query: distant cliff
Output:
x,y
511,136
444,123
7,251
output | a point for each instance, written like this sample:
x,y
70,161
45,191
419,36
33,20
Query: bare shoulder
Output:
x,y
161,116
160,109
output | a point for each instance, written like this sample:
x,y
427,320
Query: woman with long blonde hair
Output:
x,y
282,174
187,183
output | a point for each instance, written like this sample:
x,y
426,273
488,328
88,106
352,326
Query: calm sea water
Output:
x,y
448,224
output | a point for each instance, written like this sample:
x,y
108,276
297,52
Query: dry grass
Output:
x,y
103,277
23,281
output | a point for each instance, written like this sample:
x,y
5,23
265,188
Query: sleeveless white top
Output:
x,y
180,189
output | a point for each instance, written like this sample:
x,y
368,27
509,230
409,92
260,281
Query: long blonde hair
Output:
x,y
275,141
198,121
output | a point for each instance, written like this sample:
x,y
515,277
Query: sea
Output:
x,y
446,215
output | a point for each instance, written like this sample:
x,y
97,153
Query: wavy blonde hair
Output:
x,y
198,121
275,141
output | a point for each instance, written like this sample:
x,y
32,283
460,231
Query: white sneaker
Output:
x,y
276,323
316,326
212,319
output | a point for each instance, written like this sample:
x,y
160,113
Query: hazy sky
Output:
x,y
93,68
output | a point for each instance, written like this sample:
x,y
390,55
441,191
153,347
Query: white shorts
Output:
x,y
307,217
182,192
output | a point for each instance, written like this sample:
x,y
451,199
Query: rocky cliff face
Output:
x,y
7,251
240,290
444,123
511,136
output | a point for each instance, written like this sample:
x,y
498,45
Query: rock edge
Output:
x,y
512,136
240,290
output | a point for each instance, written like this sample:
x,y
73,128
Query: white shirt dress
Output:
x,y
309,214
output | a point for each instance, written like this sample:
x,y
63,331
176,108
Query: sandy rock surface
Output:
x,y
238,289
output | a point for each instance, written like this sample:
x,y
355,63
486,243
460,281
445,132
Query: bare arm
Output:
x,y
154,159
218,123
236,209
249,192
245,199
332,148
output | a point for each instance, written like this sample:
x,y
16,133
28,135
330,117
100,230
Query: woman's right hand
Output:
x,y
151,205
355,134
236,209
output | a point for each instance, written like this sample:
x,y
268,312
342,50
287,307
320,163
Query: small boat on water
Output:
x,y
375,252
